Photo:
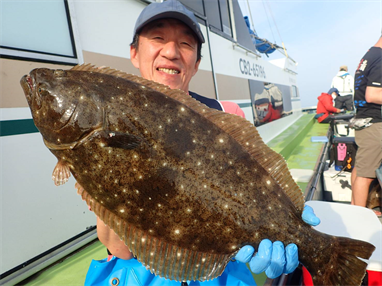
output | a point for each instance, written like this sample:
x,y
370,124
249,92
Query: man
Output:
x,y
325,107
265,111
344,82
167,49
368,102
267,105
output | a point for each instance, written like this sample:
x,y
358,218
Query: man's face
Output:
x,y
262,110
167,53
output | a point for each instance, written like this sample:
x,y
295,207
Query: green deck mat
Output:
x,y
285,142
295,144
71,270
305,154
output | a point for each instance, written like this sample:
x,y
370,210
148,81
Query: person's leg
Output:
x,y
368,159
338,102
328,119
360,191
352,179
358,187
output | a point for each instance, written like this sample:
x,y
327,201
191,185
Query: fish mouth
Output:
x,y
27,85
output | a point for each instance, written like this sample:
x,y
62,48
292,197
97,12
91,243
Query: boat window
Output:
x,y
212,13
217,13
196,5
38,30
294,91
224,10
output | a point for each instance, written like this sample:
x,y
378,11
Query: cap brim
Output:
x,y
174,15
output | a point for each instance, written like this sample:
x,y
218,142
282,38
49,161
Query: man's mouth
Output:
x,y
169,71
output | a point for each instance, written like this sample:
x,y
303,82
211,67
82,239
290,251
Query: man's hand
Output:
x,y
273,258
309,217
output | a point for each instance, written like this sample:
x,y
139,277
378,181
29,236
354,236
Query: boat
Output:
x,y
49,235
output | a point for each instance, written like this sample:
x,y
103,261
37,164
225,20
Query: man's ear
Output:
x,y
134,57
196,67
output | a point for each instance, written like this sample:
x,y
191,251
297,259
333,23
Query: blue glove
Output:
x,y
273,258
309,217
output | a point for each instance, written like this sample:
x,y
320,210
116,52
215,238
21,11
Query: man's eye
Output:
x,y
188,44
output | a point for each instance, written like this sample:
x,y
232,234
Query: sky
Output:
x,y
320,35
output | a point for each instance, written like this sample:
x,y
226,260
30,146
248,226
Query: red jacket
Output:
x,y
272,114
325,105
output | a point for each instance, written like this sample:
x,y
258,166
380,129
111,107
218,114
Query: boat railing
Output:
x,y
313,191
47,258
247,51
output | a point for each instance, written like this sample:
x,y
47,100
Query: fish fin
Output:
x,y
118,73
186,264
244,132
121,140
61,173
79,188
344,267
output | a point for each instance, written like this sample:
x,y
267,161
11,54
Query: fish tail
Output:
x,y
343,267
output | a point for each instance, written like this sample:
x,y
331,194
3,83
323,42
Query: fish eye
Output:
x,y
41,90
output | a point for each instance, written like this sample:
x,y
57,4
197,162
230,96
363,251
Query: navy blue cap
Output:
x,y
261,101
333,89
169,9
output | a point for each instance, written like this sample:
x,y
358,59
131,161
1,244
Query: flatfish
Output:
x,y
183,185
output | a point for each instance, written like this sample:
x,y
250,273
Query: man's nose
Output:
x,y
170,50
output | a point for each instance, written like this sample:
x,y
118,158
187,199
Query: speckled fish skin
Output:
x,y
183,185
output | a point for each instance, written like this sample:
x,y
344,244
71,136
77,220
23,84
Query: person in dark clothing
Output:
x,y
368,102
325,107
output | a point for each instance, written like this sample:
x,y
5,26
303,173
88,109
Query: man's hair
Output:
x,y
135,45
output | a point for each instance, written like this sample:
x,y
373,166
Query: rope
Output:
x,y
269,23
270,27
277,29
250,16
